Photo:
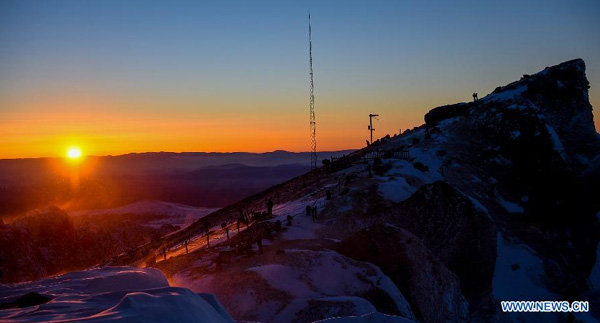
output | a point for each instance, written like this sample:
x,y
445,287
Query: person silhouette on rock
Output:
x,y
270,207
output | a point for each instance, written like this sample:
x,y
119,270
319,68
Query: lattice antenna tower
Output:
x,y
313,124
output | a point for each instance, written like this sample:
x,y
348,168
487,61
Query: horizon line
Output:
x,y
183,152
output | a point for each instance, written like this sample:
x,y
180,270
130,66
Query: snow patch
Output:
x,y
501,160
302,225
594,278
428,158
505,95
284,278
558,146
396,190
369,318
477,204
519,273
522,107
446,122
510,207
108,294
361,305
166,305
311,279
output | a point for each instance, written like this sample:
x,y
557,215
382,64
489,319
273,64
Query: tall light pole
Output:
x,y
370,126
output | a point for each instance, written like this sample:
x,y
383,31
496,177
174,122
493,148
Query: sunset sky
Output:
x,y
115,77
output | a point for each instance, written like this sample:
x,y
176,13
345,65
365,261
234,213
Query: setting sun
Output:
x,y
73,153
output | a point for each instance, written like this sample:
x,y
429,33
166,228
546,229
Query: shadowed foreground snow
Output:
x,y
122,294
368,318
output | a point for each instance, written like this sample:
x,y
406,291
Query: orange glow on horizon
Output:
x,y
116,126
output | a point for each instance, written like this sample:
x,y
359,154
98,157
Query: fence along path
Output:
x,y
217,234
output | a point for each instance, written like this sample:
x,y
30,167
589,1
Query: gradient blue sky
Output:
x,y
122,76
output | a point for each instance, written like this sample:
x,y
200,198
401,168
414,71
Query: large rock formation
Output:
x,y
432,290
529,153
457,232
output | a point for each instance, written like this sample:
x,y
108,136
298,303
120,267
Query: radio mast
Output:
x,y
313,124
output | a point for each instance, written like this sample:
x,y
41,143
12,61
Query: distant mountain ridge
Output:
x,y
273,158
165,154
198,179
241,171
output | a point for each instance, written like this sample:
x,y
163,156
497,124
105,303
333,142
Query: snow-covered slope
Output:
x,y
170,213
306,289
111,294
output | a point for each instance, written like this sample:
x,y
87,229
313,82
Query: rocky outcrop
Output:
x,y
462,236
432,290
303,286
534,143
445,112
561,93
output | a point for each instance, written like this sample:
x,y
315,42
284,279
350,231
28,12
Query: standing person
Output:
x,y
270,206
242,216
260,245
206,227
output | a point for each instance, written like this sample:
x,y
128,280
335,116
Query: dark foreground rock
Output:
x,y
431,289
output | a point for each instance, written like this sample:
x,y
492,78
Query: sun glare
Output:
x,y
74,153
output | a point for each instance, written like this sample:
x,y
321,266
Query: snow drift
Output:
x,y
115,294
